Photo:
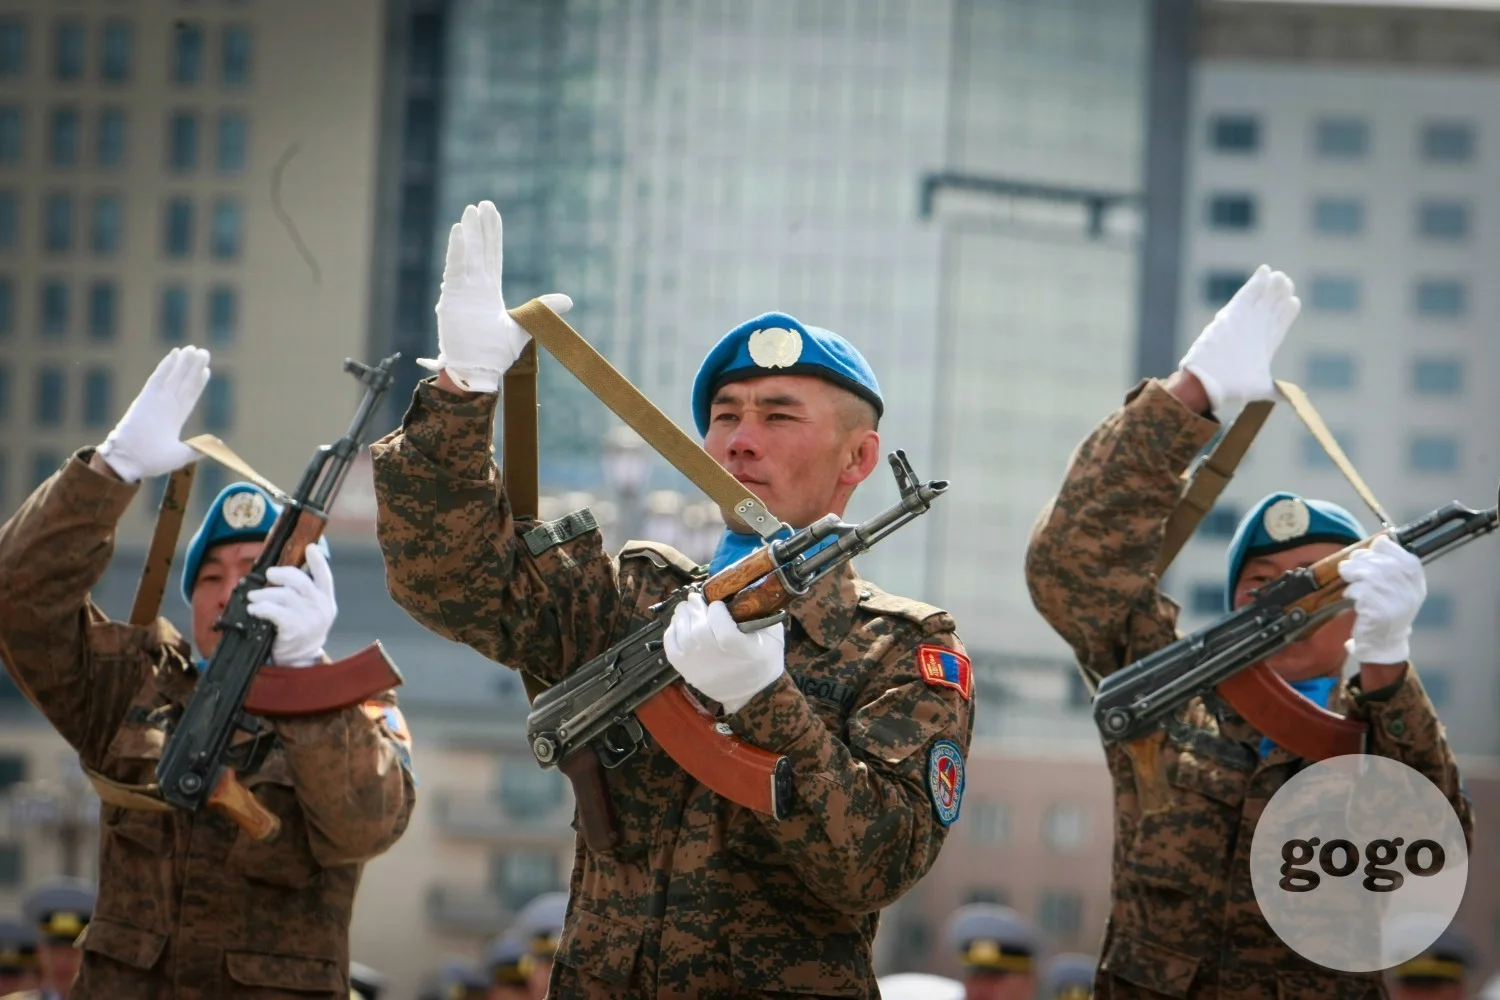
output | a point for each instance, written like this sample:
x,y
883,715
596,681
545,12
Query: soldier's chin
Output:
x,y
1297,662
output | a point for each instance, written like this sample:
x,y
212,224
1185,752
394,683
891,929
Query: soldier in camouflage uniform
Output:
x,y
17,956
701,897
189,905
59,912
1184,921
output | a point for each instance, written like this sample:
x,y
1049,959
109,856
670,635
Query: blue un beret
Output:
x,y
1284,521
776,344
242,512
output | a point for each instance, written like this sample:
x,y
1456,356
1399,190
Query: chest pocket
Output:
x,y
1186,847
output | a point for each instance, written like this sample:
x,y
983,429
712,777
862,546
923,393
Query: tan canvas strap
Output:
x,y
631,405
520,444
1209,480
142,798
1304,409
158,566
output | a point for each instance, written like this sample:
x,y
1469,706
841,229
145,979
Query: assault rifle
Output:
x,y
599,715
193,772
1228,655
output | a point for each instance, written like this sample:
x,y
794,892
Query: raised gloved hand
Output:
x,y
477,339
1387,585
300,606
711,653
148,439
1232,356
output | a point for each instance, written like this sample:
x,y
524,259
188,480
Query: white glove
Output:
x,y
1232,356
477,339
1387,585
301,608
148,439
711,653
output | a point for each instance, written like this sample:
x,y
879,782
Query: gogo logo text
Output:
x,y
1339,858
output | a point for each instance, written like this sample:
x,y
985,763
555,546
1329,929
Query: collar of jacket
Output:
x,y
826,612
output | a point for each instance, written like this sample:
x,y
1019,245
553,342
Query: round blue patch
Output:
x,y
945,780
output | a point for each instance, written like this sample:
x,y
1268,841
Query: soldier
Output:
x,y
1068,976
365,983
1440,972
59,911
17,956
190,906
505,963
1184,921
700,893
998,949
540,925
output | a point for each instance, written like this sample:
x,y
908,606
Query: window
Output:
x,y
10,135
223,315
50,399
1330,371
1339,216
232,143
98,401
989,823
116,55
1436,683
104,232
226,229
1442,298
1434,453
1436,612
218,403
1231,211
1220,522
1447,142
12,48
1313,455
12,770
987,894
1208,599
518,877
1059,913
1335,294
208,483
236,55
5,393
67,53
177,234
1063,827
1443,219
529,791
173,323
1234,133
111,137
64,137
43,465
10,220
54,310
1341,138
7,306
1219,286
187,53
57,231
1436,377
10,864
103,302
8,690
182,141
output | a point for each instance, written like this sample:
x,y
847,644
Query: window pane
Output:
x,y
68,52
11,866
529,791
1436,611
1443,219
1060,913
10,135
12,48
518,877
1342,138
232,142
226,228
64,140
54,309
1335,294
108,217
49,398
1220,522
1208,599
43,464
102,308
178,228
1231,211
1434,453
1219,286
208,482
117,38
6,390
1448,142
1339,216
236,54
12,770
218,403
7,306
1442,298
187,53
1235,133
10,220
1314,457
989,823
1436,377
182,141
174,315
111,137
1330,371
57,227
223,315
98,398
1064,827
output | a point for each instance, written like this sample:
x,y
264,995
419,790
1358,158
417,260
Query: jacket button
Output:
x,y
1396,727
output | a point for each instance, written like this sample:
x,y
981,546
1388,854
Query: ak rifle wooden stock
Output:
x,y
600,714
1228,656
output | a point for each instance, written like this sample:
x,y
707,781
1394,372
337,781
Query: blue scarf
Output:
x,y
1316,690
734,546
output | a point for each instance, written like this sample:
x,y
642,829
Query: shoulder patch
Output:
x,y
549,534
396,733
944,667
945,780
662,556
877,601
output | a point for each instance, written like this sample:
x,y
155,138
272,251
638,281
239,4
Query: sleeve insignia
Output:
x,y
944,667
945,780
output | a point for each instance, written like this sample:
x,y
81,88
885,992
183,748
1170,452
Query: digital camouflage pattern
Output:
x,y
1184,921
189,907
702,898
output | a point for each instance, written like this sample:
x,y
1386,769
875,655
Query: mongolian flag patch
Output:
x,y
944,667
945,780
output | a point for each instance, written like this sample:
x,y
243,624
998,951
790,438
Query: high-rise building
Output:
x,y
1354,147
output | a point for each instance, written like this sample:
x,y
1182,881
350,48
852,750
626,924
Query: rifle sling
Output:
x,y
158,566
1209,480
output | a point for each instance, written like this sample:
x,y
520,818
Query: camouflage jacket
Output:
x,y
1184,921
702,897
188,906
